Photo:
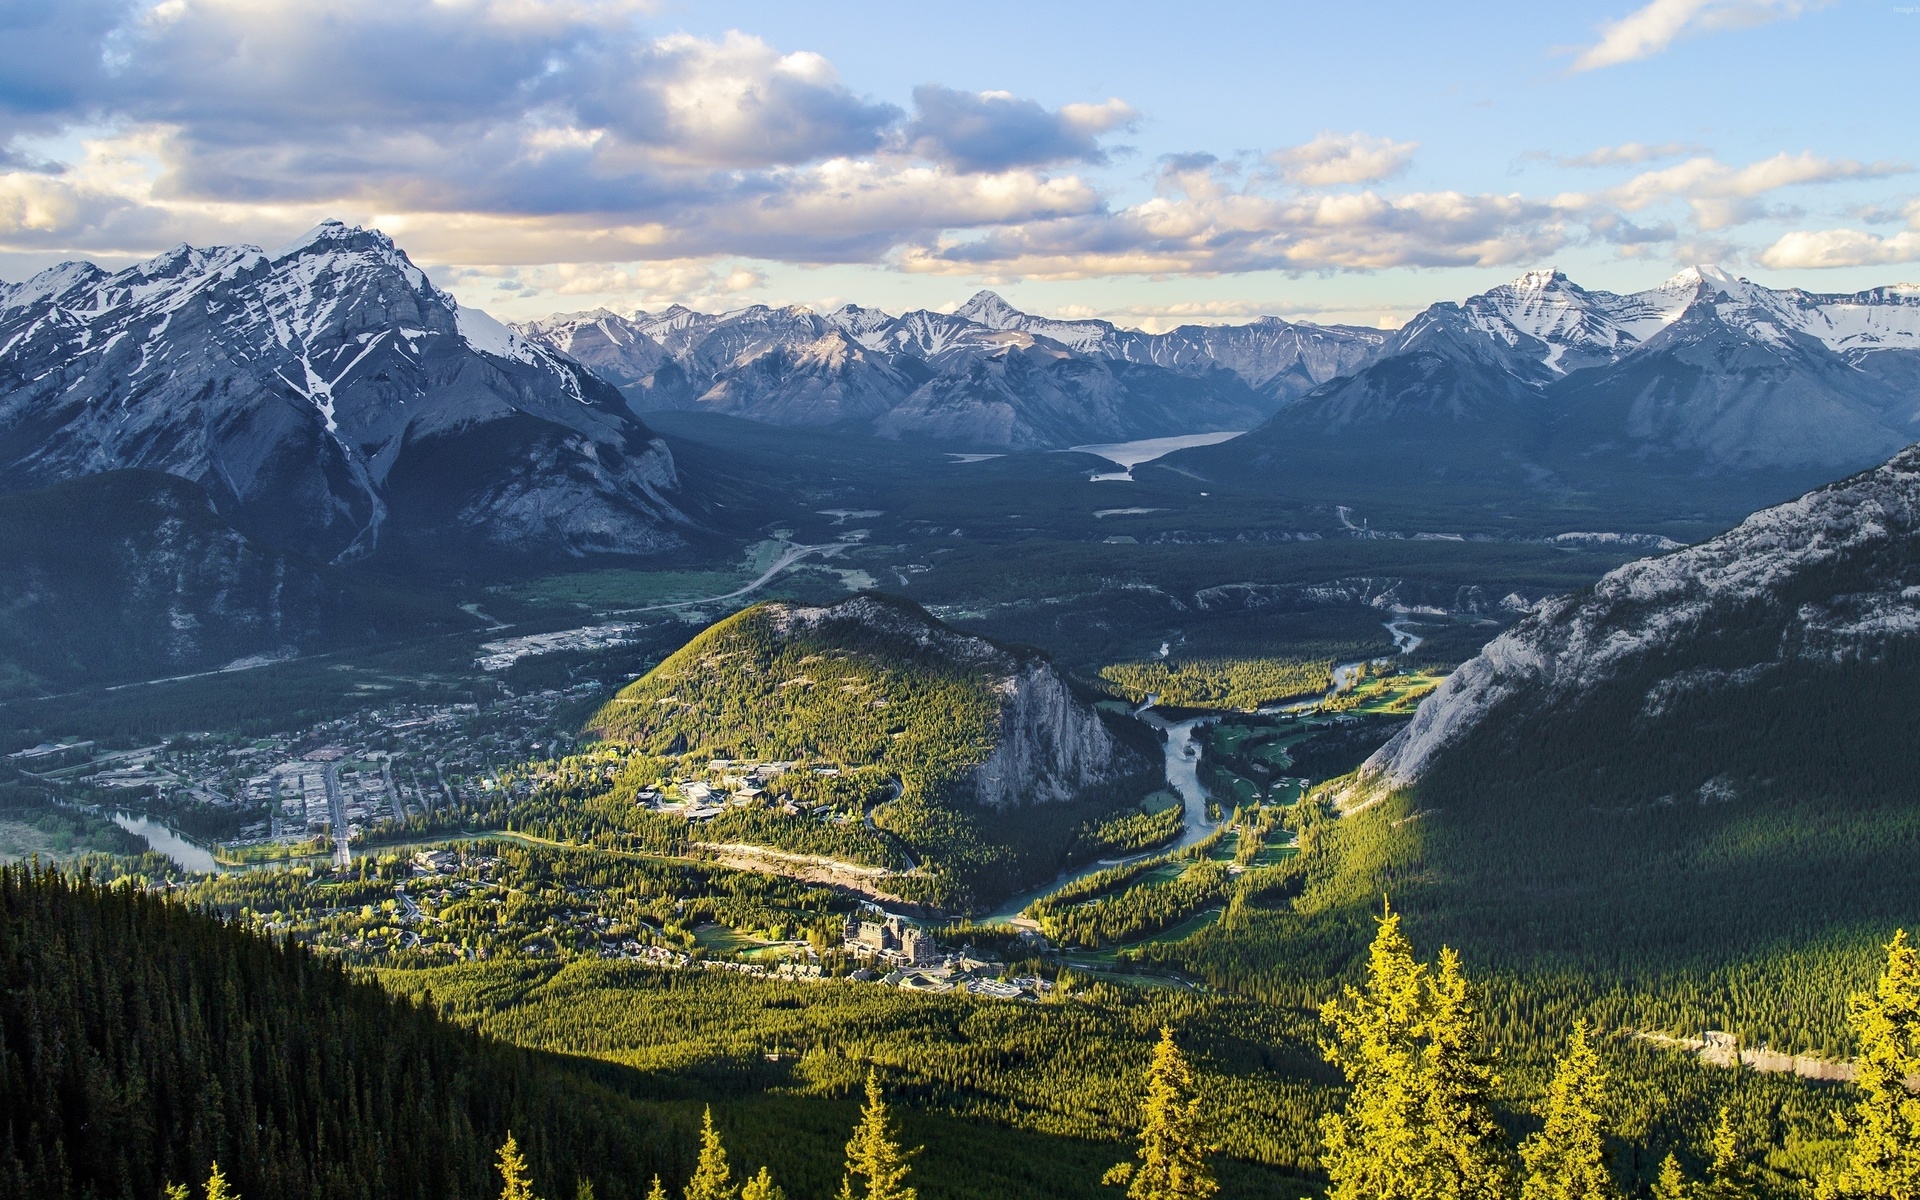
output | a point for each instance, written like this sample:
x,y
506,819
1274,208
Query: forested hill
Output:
x,y
140,1042
873,682
1692,785
981,761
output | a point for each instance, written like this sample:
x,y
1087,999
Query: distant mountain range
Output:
x,y
986,375
1542,386
331,400
338,406
1540,380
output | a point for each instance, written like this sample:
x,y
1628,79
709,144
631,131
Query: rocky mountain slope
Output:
x,y
1826,581
332,401
985,375
134,575
1682,799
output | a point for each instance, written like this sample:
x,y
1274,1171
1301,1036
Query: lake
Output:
x,y
1131,454
189,856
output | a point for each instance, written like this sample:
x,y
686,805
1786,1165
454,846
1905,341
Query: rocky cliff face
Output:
x,y
332,401
1828,579
1050,745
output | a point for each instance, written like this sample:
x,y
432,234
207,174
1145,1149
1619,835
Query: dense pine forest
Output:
x,y
143,1042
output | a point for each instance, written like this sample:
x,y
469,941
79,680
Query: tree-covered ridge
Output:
x,y
141,1041
867,683
1243,684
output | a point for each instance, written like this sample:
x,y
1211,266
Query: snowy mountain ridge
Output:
x,y
322,392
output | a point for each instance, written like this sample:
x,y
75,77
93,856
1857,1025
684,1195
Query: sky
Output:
x,y
1149,163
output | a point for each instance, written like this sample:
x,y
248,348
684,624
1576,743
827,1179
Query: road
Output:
x,y
393,793
337,816
409,911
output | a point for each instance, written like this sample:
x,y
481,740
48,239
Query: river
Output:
x,y
1183,771
189,856
1183,776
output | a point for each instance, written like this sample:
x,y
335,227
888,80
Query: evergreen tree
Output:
x,y
1418,1122
762,1187
1173,1148
1567,1159
217,1188
1672,1183
873,1156
1467,1154
656,1192
177,1191
1375,1148
517,1182
1729,1177
1884,1162
712,1177
583,1190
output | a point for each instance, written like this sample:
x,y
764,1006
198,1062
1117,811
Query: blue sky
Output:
x,y
1146,162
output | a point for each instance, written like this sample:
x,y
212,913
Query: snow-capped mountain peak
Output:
x,y
301,388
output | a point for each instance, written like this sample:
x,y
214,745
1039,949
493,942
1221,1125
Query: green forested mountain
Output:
x,y
982,763
140,1042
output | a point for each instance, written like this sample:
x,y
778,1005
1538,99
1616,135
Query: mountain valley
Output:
x,y
593,683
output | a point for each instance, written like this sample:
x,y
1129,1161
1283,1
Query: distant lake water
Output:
x,y
1131,454
189,856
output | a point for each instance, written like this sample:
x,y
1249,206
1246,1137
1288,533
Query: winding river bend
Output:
x,y
1183,770
1183,776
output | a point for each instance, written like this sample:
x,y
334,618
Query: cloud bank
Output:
x,y
563,146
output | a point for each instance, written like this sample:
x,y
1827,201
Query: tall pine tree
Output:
x,y
762,1187
1374,1148
516,1180
1418,1122
217,1186
1672,1183
712,1177
1729,1175
1884,1163
873,1156
1567,1159
1468,1155
1173,1145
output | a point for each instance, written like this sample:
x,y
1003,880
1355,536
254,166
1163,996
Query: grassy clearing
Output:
x,y
1161,801
1390,695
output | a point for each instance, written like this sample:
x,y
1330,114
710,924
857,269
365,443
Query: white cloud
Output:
x,y
1841,248
1199,224
1336,158
1648,31
992,131
1627,154
1721,196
